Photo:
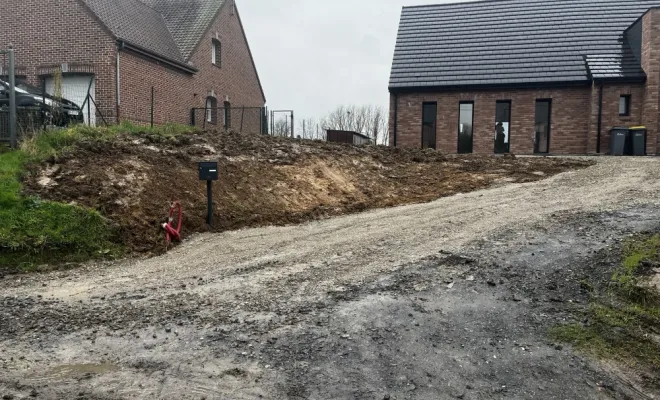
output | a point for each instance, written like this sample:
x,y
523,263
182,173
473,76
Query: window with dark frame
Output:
x,y
502,126
429,117
624,105
226,119
466,127
216,53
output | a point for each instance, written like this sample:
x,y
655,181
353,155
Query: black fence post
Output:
x,y
192,117
152,106
43,94
89,110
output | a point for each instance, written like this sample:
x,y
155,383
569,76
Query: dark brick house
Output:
x,y
194,53
525,76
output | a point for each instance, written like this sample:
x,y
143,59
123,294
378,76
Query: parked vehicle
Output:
x,y
58,112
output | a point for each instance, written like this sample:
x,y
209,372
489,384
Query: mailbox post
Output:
x,y
208,171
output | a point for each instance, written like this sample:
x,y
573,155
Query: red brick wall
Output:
x,y
177,92
173,92
570,120
56,32
651,65
610,112
237,77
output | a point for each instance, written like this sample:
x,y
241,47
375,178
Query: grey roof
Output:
x,y
614,66
169,28
504,42
188,20
137,24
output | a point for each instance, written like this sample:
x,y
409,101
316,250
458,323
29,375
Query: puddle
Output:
x,y
67,371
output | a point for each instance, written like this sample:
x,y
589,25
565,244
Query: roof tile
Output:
x,y
515,41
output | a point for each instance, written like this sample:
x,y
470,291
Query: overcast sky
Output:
x,y
313,55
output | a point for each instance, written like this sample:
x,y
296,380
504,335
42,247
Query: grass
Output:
x,y
623,319
48,144
33,231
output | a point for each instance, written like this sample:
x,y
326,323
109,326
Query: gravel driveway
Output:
x,y
432,301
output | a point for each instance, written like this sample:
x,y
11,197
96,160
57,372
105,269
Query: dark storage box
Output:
x,y
638,140
618,139
208,171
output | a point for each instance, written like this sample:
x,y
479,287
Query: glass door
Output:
x,y
429,117
542,126
465,127
502,127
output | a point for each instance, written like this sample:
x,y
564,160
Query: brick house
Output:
x,y
194,53
544,77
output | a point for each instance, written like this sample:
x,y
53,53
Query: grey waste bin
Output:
x,y
638,140
618,138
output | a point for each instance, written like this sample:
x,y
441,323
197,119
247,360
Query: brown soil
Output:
x,y
263,180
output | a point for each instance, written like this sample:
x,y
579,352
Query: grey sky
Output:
x,y
313,55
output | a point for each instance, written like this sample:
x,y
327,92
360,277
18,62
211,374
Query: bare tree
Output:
x,y
368,120
310,129
282,127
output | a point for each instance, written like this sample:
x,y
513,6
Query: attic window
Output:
x,y
216,53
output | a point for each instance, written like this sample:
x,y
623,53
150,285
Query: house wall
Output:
x,y
574,127
569,119
45,34
651,65
176,92
574,118
610,113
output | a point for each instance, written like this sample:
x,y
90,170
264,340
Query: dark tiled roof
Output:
x,y
169,28
614,66
188,20
137,24
504,42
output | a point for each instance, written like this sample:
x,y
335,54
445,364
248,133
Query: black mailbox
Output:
x,y
208,171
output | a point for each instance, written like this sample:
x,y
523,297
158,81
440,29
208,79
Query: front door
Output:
x,y
542,126
465,127
502,127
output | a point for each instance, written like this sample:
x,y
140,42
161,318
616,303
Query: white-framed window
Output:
x,y
211,110
216,52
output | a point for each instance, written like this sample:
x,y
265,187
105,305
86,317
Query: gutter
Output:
x,y
524,86
124,45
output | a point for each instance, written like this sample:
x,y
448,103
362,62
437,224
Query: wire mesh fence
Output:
x,y
29,120
238,119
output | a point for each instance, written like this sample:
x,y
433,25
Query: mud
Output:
x,y
446,300
132,180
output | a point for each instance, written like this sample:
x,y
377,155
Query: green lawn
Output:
x,y
623,318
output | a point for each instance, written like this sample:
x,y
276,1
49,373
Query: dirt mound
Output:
x,y
263,180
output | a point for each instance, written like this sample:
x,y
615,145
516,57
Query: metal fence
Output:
x,y
28,121
238,119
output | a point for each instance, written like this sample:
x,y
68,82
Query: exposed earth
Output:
x,y
132,180
450,299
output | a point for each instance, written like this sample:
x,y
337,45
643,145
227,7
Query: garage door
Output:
x,y
74,88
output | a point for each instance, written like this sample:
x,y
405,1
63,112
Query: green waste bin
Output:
x,y
618,138
638,140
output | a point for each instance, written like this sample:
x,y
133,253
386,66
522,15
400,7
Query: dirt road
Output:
x,y
443,300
